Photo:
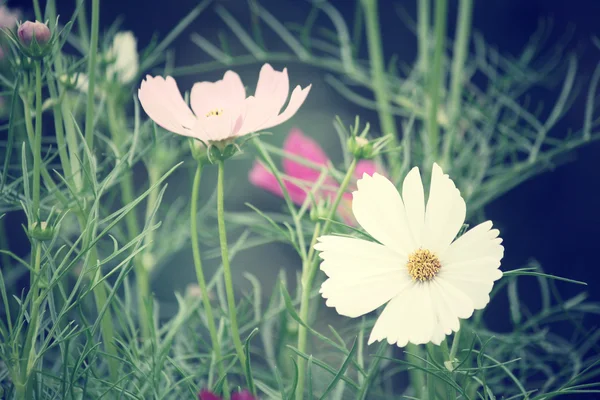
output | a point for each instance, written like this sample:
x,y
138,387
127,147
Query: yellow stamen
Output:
x,y
215,112
423,265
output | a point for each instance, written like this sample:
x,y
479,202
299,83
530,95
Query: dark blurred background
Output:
x,y
553,218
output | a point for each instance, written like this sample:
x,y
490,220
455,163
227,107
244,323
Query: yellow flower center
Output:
x,y
423,265
216,112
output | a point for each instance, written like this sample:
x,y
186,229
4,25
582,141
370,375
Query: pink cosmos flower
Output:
x,y
243,395
220,110
300,178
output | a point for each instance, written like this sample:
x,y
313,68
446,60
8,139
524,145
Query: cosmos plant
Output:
x,y
362,270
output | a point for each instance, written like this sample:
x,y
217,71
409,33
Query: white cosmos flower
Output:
x,y
124,64
124,53
428,279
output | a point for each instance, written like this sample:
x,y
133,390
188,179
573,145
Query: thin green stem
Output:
x,y
93,50
461,46
38,11
309,271
142,279
380,87
423,32
107,329
235,334
414,354
37,144
455,344
30,131
362,394
212,328
431,382
435,78
32,330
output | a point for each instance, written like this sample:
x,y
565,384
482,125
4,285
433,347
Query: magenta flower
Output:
x,y
243,395
299,178
220,110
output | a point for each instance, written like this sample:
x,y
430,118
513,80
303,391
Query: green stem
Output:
x,y
38,11
29,130
435,77
37,144
309,272
380,87
32,330
414,355
142,279
214,337
93,50
423,32
235,334
455,343
107,329
461,45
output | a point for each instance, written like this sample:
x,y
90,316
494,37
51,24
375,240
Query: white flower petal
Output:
x,y
478,242
408,317
378,208
126,63
414,203
459,304
445,212
362,275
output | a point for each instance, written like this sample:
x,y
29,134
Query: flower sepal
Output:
x,y
222,150
41,231
33,39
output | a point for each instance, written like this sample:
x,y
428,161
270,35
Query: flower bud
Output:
x,y
199,151
360,148
34,31
41,231
319,210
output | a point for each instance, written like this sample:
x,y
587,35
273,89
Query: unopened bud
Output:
x,y
30,31
360,148
199,151
319,210
41,231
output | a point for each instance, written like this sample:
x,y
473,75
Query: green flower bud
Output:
x,y
41,231
360,148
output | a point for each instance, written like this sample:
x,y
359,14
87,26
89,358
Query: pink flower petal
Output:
x,y
207,395
298,97
271,82
161,100
365,167
221,95
271,93
263,178
299,144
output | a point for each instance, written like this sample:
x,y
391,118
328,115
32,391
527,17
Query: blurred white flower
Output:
x,y
124,53
428,279
123,66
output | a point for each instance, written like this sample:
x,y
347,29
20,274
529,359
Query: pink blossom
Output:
x,y
220,110
298,144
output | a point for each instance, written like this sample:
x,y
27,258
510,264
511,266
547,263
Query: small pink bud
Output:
x,y
29,29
